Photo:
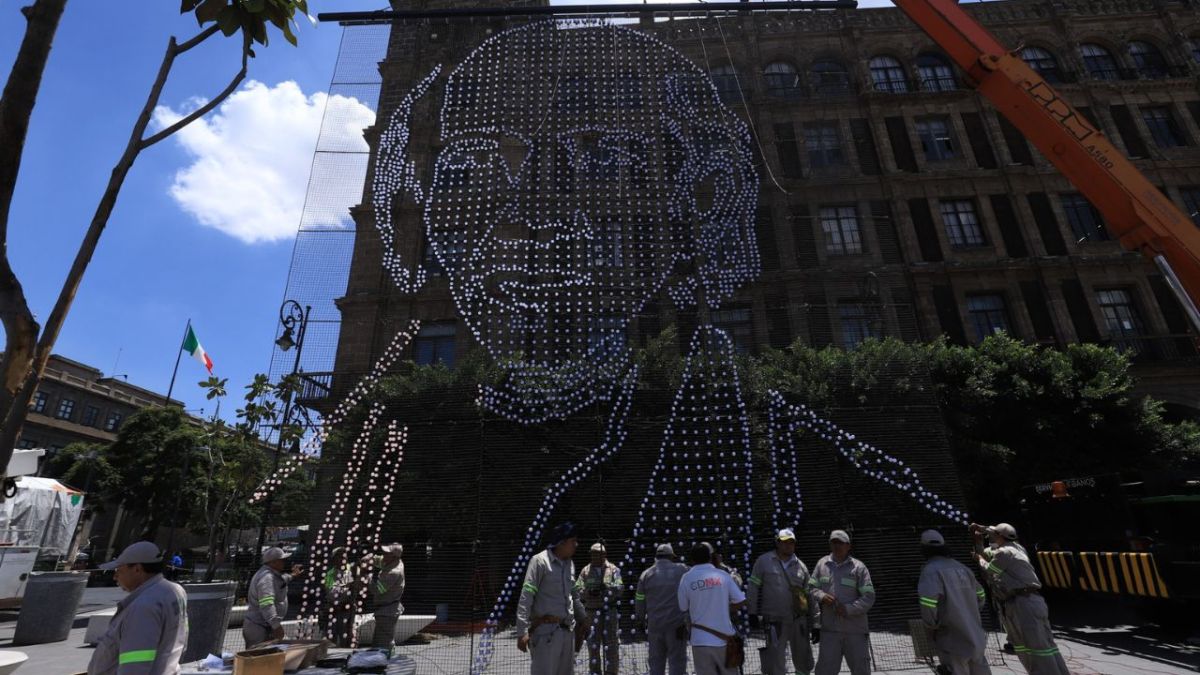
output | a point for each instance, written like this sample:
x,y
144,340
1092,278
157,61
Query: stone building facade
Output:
x,y
76,403
894,200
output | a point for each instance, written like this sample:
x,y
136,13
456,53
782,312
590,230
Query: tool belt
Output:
x,y
548,619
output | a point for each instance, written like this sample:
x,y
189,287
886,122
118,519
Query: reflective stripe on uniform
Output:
x,y
530,587
868,588
137,656
929,602
755,580
980,592
266,600
639,596
1052,651
381,587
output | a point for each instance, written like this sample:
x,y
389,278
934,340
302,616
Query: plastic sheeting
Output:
x,y
43,513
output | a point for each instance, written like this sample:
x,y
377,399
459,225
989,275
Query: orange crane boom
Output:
x,y
1135,212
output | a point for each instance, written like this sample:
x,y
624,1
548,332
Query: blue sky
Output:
x,y
206,253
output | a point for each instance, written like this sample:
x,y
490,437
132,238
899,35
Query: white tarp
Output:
x,y
43,513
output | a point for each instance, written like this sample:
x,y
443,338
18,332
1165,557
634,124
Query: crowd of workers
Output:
x,y
796,608
148,633
675,604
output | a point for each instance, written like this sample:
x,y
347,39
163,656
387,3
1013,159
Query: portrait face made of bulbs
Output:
x,y
583,168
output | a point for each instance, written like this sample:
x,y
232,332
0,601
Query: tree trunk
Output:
x,y
16,108
18,406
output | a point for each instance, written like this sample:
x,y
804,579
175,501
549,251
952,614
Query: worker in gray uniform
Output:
x,y
951,599
1009,572
148,633
777,595
386,589
550,615
656,607
266,599
842,586
599,586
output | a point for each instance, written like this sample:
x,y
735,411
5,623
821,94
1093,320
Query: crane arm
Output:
x,y
1136,213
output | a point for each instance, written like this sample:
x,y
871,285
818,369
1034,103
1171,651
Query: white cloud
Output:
x,y
251,159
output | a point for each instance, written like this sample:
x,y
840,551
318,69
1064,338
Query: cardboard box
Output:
x,y
259,662
300,654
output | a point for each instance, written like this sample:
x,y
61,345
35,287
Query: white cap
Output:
x,y
786,534
1005,530
394,549
932,538
664,551
272,554
598,548
839,535
137,552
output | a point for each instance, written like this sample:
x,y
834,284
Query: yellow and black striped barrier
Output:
x,y
1126,573
1056,568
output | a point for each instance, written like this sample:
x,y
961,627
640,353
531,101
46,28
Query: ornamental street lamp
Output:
x,y
294,320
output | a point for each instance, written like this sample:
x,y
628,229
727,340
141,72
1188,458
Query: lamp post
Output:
x,y
294,320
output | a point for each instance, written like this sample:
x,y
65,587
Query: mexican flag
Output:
x,y
192,346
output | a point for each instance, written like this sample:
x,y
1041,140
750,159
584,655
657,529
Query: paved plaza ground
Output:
x,y
1095,638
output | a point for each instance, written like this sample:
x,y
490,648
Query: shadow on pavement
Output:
x,y
1122,628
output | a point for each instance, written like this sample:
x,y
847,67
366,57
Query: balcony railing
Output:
x,y
315,388
1156,348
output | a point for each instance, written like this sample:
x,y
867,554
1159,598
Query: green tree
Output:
x,y
28,345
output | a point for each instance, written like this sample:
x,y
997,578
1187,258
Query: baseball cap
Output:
x,y
839,535
137,552
562,533
598,548
272,554
1005,530
394,549
786,534
664,551
932,538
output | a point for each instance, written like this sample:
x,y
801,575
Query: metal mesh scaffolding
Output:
x,y
535,203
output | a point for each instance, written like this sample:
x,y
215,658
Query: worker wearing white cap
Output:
x,y
266,599
387,588
778,593
599,586
148,633
951,599
656,606
842,586
1010,574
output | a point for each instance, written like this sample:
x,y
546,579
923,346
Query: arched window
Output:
x,y
934,74
828,78
725,78
888,75
782,80
1043,62
1148,61
1100,63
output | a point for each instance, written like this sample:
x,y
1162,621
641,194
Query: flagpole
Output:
x,y
178,354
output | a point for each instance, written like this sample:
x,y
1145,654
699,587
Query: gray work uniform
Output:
x,y
656,604
266,605
951,599
148,633
547,612
849,583
599,588
387,589
770,592
1013,579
